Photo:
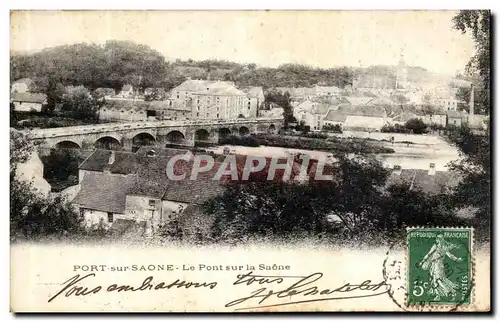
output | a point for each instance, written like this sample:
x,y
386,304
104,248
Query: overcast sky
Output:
x,y
316,38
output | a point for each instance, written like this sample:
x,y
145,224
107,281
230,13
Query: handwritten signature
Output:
x,y
302,289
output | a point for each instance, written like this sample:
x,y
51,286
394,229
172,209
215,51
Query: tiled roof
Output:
x,y
335,116
200,85
26,81
124,162
104,192
222,90
253,91
371,111
357,100
404,117
126,105
455,114
29,97
420,179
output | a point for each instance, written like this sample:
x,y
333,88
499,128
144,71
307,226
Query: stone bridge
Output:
x,y
127,136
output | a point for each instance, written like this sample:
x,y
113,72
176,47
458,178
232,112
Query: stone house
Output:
x,y
28,102
22,85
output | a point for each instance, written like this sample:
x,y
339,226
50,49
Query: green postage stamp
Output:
x,y
439,266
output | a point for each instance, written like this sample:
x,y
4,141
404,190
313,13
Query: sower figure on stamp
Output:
x,y
434,262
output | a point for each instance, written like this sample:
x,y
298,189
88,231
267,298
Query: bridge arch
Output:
x,y
66,144
244,131
108,143
142,139
175,137
201,136
224,132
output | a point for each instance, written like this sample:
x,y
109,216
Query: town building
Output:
x,y
28,102
428,181
357,117
134,187
22,85
312,113
216,99
127,91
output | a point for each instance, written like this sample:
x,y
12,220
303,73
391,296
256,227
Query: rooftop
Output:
x,y
29,97
422,180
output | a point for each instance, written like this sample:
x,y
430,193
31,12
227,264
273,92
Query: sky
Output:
x,y
268,38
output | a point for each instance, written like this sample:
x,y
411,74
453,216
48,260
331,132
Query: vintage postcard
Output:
x,y
250,161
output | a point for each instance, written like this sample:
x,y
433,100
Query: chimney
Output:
x,y
397,169
471,102
432,169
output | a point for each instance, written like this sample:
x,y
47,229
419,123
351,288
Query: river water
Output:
x,y
412,156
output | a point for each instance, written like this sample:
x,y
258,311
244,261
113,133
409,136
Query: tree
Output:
x,y
478,25
474,166
277,209
417,126
78,102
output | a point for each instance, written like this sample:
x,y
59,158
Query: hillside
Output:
x,y
121,62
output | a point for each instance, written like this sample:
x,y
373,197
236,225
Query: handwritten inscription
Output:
x,y
301,289
272,290
75,287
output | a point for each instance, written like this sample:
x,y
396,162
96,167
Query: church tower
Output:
x,y
401,73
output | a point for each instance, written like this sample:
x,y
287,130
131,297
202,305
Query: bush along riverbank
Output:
x,y
347,145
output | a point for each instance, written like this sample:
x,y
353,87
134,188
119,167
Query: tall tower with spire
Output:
x,y
401,73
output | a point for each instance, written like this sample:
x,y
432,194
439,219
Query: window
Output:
x,y
110,217
217,115
170,103
198,101
177,95
152,203
197,114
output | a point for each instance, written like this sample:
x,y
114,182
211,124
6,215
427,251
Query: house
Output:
x,y
403,117
22,85
357,118
455,118
256,99
333,117
327,91
123,186
104,92
124,110
312,113
28,102
127,91
428,181
168,110
276,111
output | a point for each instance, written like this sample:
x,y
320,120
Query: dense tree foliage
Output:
x,y
477,24
78,103
475,167
110,65
283,100
355,206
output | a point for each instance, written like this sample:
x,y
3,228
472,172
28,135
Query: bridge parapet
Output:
x,y
116,127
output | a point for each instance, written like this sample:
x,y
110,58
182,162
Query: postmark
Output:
x,y
439,267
